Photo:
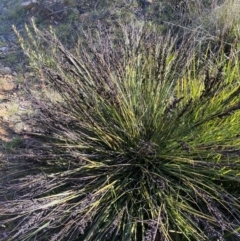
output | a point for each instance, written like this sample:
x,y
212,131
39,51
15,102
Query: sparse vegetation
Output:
x,y
14,144
135,134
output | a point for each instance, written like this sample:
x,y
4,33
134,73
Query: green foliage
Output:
x,y
143,143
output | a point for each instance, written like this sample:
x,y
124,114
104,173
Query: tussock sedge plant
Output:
x,y
142,145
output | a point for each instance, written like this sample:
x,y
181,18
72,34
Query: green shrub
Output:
x,y
142,145
216,20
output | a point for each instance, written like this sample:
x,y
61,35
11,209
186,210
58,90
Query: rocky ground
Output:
x,y
10,75
14,74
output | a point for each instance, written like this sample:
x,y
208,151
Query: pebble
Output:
x,y
5,70
29,75
4,234
29,4
3,49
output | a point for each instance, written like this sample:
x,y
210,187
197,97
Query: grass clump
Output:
x,y
142,143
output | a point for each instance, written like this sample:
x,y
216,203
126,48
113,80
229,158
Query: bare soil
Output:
x,y
7,94
13,98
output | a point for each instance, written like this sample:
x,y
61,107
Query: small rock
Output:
x,y
29,4
4,234
2,39
29,75
4,11
5,70
84,17
3,49
146,3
